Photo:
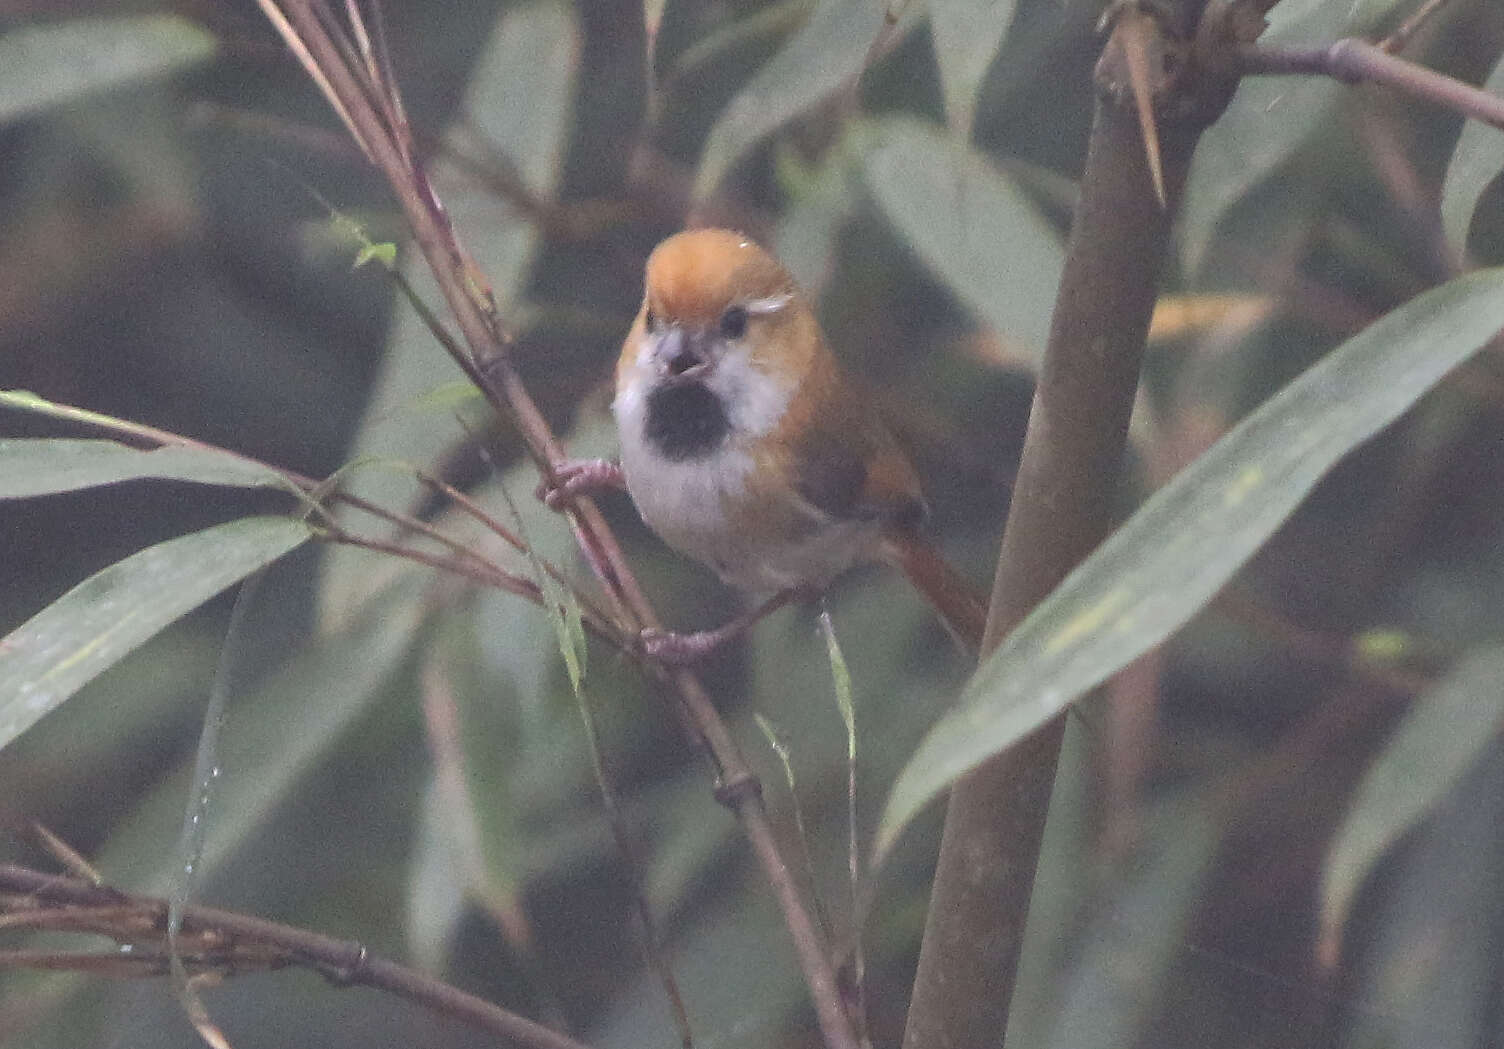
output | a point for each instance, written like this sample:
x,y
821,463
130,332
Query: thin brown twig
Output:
x,y
632,862
227,942
72,861
133,966
482,571
470,300
489,521
497,173
1331,650
1355,61
1396,41
1414,200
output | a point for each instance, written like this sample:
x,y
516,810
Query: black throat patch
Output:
x,y
685,421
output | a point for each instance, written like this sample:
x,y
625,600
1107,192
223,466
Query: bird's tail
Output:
x,y
957,602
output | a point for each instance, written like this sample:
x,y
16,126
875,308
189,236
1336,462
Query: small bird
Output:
x,y
744,447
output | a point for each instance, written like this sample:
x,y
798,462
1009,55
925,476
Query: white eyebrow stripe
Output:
x,y
771,304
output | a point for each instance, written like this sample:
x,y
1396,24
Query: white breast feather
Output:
x,y
689,502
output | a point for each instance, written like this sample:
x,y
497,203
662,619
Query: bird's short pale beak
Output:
x,y
681,355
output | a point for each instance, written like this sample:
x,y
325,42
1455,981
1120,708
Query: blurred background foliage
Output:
x,y
1313,765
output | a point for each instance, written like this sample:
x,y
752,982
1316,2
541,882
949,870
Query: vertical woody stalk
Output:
x,y
1061,510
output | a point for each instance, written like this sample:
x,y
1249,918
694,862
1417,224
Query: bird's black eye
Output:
x,y
649,322
734,322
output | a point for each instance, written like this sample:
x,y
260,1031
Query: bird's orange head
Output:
x,y
712,292
694,277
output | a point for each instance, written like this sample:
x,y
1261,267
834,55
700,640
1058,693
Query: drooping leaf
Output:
x,y
448,399
440,883
469,822
26,401
821,58
81,634
764,24
841,678
1116,971
982,237
1430,953
1446,730
1476,162
48,65
1178,550
272,739
1066,886
32,466
967,35
207,770
521,89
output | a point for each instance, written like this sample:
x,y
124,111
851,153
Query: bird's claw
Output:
x,y
575,477
679,650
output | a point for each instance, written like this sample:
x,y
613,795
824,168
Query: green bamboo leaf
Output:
x,y
1178,550
967,35
821,199
762,25
821,58
1476,162
384,253
967,221
32,466
448,399
276,735
47,65
1444,733
71,641
1120,962
26,401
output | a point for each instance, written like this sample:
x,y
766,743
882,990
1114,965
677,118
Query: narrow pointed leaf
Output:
x,y
32,466
759,28
1121,963
967,35
1172,556
26,401
820,59
965,219
1476,162
47,65
274,737
1441,737
67,644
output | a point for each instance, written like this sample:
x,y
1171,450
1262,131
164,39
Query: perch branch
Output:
x,y
1061,510
377,126
226,942
1354,61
